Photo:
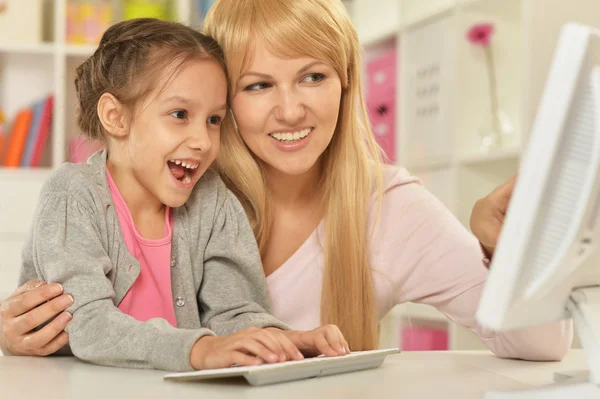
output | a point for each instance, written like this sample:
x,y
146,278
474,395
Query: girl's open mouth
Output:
x,y
183,170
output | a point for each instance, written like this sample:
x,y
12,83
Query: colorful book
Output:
x,y
2,138
18,138
38,111
43,132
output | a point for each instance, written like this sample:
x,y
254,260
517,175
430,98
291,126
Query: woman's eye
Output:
x,y
257,86
314,77
215,120
180,114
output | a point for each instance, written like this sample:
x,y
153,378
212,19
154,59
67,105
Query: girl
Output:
x,y
155,253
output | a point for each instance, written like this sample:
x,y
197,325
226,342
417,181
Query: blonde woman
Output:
x,y
342,238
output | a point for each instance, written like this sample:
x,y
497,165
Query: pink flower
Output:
x,y
480,34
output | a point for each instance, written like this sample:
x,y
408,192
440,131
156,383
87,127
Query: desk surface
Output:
x,y
462,375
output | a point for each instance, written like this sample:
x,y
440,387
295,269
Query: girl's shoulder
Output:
x,y
80,181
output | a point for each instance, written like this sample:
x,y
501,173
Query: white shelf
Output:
x,y
415,12
380,37
27,48
430,164
494,155
80,50
25,174
416,312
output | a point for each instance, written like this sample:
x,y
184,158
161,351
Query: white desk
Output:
x,y
407,375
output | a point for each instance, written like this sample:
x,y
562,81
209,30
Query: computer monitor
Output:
x,y
546,266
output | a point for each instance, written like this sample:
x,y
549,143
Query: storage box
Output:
x,y
423,339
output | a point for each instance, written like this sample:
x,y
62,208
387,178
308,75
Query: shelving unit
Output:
x,y
30,71
442,99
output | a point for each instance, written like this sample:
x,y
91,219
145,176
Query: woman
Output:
x,y
342,238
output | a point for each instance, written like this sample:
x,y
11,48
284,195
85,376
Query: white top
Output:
x,y
420,253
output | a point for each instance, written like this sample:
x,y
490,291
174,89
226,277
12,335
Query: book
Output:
x,y
18,138
43,132
38,110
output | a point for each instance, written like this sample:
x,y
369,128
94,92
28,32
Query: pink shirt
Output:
x,y
420,253
150,295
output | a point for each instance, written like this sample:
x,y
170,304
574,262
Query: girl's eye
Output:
x,y
215,120
180,114
314,78
257,86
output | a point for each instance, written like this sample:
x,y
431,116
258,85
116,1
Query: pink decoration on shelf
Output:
x,y
423,339
381,101
481,34
81,148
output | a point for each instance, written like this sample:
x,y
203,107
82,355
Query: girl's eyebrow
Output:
x,y
178,99
185,100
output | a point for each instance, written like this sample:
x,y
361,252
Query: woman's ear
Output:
x,y
113,116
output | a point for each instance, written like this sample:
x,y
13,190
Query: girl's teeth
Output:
x,y
186,179
185,164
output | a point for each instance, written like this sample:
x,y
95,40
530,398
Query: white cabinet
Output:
x,y
444,96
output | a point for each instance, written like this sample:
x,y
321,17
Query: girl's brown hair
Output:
x,y
130,59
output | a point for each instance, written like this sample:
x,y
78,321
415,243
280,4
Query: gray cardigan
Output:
x,y
217,281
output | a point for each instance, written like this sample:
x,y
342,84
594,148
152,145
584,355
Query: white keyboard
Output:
x,y
292,370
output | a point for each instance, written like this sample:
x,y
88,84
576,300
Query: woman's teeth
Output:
x,y
291,136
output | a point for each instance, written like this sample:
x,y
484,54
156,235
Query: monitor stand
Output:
x,y
584,308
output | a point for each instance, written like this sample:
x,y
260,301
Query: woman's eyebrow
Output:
x,y
307,67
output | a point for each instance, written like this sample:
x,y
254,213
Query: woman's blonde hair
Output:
x,y
352,169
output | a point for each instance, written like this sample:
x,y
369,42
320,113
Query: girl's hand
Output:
x,y
249,347
327,340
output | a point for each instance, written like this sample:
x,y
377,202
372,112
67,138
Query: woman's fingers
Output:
x,y
58,342
48,335
18,305
36,317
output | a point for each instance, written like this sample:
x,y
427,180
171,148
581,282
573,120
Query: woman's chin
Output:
x,y
292,167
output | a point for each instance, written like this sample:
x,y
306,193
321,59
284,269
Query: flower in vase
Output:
x,y
481,35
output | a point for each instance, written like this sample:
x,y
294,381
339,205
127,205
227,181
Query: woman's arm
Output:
x,y
432,259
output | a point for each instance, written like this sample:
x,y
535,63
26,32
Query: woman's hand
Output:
x,y
488,214
327,340
30,306
249,347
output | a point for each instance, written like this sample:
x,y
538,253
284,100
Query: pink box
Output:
x,y
423,339
381,76
382,115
